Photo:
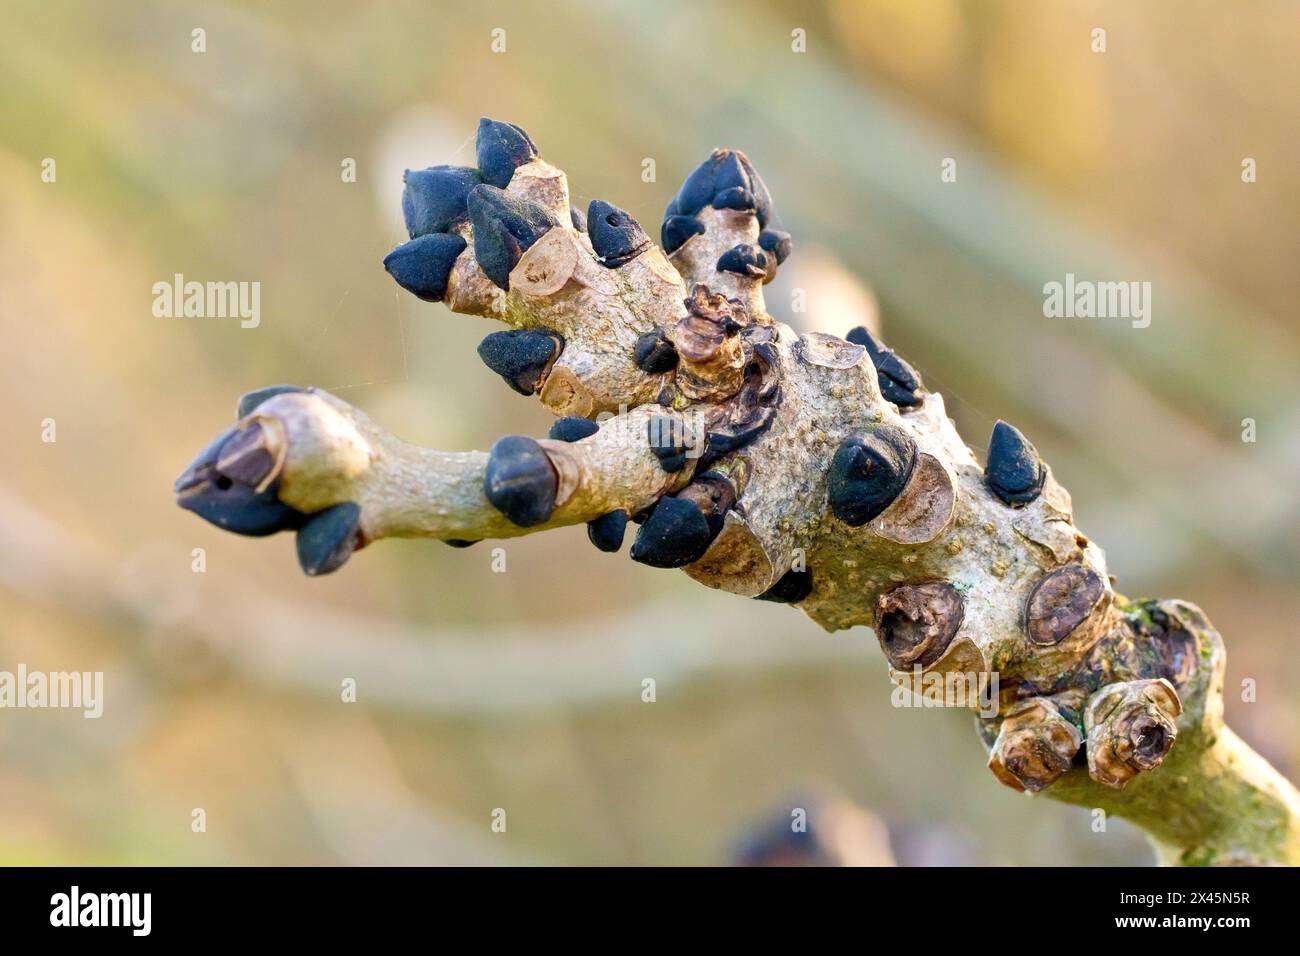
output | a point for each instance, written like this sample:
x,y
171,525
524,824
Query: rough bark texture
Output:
x,y
802,469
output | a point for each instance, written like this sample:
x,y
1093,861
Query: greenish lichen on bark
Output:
x,y
1213,801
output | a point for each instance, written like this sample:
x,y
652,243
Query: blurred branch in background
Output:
x,y
820,827
425,668
817,830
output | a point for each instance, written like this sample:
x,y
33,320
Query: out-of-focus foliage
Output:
x,y
522,690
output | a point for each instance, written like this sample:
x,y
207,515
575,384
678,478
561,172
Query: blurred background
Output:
x,y
522,691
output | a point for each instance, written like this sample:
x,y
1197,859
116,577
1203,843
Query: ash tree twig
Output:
x,y
802,469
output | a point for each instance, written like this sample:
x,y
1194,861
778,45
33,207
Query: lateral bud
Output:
x,y
522,357
520,481
915,623
655,353
681,528
607,531
899,382
328,538
505,227
712,356
1014,471
1035,745
1131,728
500,149
434,199
423,266
868,472
615,236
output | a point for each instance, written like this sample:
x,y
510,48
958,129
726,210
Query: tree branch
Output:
x,y
807,470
